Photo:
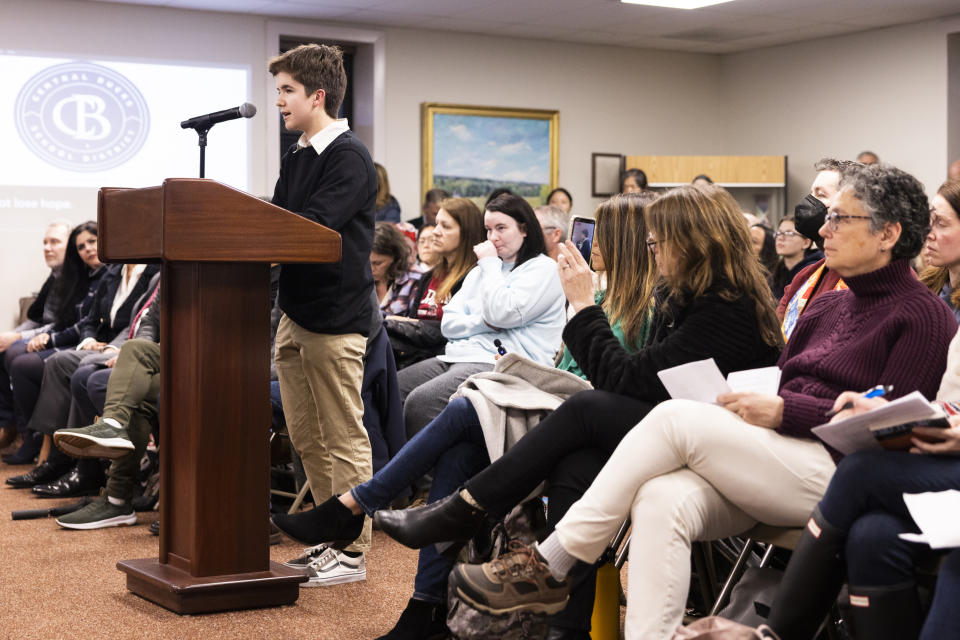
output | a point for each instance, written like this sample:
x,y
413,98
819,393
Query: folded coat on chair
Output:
x,y
515,397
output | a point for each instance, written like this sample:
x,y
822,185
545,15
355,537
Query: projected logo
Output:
x,y
82,117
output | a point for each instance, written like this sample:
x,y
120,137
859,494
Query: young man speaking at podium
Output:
x,y
329,178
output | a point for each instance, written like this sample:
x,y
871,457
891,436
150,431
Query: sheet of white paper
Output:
x,y
914,537
935,513
854,433
700,380
765,380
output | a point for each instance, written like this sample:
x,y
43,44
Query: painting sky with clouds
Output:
x,y
492,148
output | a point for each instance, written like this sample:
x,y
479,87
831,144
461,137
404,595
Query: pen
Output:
x,y
876,392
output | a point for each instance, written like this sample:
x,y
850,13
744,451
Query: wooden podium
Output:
x,y
216,245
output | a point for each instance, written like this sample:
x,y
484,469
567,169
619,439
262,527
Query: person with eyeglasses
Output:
x,y
795,250
692,471
817,278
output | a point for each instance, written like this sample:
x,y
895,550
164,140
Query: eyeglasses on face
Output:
x,y
833,219
786,234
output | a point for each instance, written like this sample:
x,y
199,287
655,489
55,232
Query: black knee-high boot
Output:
x,y
881,613
812,581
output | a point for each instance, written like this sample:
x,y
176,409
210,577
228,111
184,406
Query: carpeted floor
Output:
x,y
58,583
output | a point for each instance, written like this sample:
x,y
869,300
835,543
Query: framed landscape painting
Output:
x,y
470,151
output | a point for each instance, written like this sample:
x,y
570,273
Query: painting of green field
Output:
x,y
475,154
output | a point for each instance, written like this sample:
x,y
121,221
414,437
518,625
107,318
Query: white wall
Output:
x,y
610,99
883,90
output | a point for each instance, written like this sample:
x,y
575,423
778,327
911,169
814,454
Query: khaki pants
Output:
x,y
320,377
690,471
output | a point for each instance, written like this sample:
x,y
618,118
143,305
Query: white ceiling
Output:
x,y
739,25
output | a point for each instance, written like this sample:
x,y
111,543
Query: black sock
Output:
x,y
352,554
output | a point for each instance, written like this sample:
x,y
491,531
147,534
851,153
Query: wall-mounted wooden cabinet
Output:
x,y
759,183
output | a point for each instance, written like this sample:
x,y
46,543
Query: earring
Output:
x,y
883,249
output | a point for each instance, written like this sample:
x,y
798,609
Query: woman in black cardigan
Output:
x,y
724,312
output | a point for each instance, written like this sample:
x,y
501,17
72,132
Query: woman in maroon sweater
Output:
x,y
695,471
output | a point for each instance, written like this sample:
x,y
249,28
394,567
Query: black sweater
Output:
x,y
338,189
696,329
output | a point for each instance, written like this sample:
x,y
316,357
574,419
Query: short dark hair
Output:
x,y
316,67
435,196
559,190
832,164
521,211
389,241
702,176
890,195
637,174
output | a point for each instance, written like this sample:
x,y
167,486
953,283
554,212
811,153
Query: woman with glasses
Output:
x,y
710,301
795,251
696,471
721,311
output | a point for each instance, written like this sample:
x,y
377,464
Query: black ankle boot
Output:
x,y
330,522
882,613
450,519
420,621
811,583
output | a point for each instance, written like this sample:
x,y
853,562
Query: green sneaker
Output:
x,y
99,514
99,440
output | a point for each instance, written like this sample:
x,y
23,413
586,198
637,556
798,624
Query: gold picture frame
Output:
x,y
515,148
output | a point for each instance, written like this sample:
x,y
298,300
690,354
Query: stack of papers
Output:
x,y
702,381
936,515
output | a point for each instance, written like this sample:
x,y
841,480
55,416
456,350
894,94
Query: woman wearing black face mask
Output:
x,y
809,216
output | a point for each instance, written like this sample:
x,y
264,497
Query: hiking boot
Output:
x,y
335,567
99,440
99,514
516,581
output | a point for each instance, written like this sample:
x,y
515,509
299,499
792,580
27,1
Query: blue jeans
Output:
x,y
452,445
865,499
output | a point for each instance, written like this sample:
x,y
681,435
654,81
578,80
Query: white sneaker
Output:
x,y
335,567
309,554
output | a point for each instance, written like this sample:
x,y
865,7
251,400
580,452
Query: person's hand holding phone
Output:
x,y
575,276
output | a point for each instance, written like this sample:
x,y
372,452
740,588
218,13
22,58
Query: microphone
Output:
x,y
246,110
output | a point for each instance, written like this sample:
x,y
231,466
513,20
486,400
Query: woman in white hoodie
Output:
x,y
513,295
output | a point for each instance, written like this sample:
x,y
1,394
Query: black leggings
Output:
x,y
587,420
568,448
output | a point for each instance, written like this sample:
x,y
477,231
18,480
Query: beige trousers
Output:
x,y
690,471
320,377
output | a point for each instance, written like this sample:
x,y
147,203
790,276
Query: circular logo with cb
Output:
x,y
82,117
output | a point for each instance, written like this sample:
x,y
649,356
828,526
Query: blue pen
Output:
x,y
876,392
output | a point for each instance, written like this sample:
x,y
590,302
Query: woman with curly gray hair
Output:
x,y
696,471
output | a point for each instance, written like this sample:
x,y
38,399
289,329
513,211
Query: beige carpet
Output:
x,y
58,583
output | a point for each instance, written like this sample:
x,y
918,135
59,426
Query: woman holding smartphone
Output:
x,y
728,315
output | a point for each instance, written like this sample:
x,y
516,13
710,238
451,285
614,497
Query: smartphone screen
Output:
x,y
581,234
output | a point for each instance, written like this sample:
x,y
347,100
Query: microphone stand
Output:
x,y
202,141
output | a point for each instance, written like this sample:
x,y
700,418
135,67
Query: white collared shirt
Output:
x,y
126,286
123,292
322,139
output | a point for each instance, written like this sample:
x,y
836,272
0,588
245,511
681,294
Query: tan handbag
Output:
x,y
717,628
